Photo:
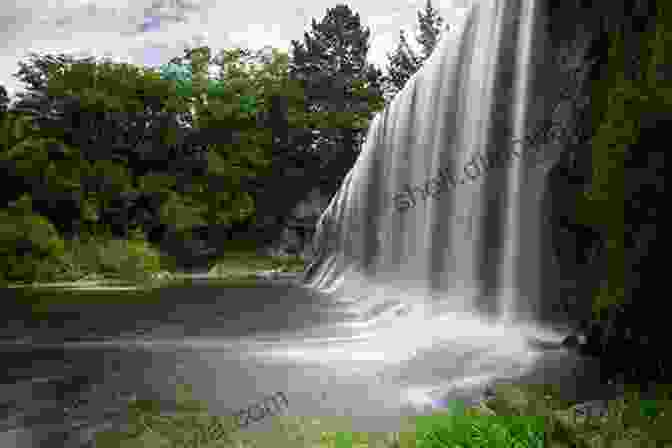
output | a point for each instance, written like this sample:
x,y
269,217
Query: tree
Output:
x,y
242,157
342,89
14,128
4,101
404,62
97,132
316,139
430,28
281,104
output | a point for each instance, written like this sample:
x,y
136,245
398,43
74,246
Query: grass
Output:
x,y
514,418
242,262
236,269
631,422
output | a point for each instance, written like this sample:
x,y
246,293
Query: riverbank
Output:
x,y
240,312
626,421
503,400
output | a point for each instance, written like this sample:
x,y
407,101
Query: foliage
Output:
x,y
318,117
430,28
86,117
331,65
131,260
246,263
619,113
147,428
96,128
182,76
29,244
232,162
404,62
81,257
102,146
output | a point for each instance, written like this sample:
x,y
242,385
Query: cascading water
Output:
x,y
441,209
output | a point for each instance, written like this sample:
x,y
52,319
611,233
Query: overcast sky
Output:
x,y
150,32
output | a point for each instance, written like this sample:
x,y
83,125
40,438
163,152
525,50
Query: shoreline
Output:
x,y
121,285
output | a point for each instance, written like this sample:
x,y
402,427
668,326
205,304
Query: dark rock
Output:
x,y
298,229
571,341
593,345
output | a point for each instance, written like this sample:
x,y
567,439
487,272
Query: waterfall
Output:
x,y
442,210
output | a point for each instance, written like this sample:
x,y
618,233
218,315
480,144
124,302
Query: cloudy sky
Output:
x,y
150,32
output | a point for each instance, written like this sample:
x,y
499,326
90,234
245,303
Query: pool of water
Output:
x,y
73,371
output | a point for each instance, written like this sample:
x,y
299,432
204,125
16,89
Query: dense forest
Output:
x,y
100,151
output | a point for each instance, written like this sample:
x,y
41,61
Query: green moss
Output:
x,y
618,105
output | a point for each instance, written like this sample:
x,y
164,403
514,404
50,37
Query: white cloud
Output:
x,y
110,27
385,21
258,35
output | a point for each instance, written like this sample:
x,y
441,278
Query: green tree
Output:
x,y
404,61
14,128
430,29
319,116
342,90
402,64
239,143
99,123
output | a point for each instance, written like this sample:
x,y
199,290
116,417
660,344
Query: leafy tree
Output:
x,y
110,117
236,148
14,128
320,98
116,144
240,156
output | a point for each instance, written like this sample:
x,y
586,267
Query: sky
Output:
x,y
151,32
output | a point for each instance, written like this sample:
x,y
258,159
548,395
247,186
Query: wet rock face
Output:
x,y
571,341
578,249
579,31
298,230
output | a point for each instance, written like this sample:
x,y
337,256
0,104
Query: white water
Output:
x,y
475,246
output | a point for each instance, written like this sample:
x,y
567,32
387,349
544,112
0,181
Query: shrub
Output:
x,y
30,247
81,257
133,260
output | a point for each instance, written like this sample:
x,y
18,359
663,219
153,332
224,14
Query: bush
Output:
x,y
81,257
30,247
133,260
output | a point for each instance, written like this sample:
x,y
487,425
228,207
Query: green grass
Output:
x,y
436,431
236,269
238,261
48,300
631,422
